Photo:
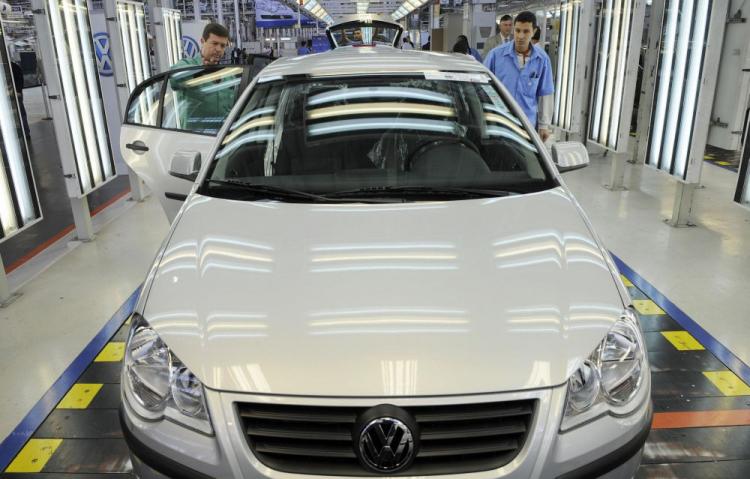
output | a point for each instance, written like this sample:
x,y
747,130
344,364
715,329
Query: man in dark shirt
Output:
x,y
18,85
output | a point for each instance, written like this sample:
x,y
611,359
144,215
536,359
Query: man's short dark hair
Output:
x,y
505,18
526,17
537,34
217,29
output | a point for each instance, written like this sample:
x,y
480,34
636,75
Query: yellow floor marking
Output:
x,y
112,352
127,321
683,341
647,307
34,455
79,396
723,163
626,281
728,383
709,157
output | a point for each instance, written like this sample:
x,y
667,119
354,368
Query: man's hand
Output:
x,y
545,134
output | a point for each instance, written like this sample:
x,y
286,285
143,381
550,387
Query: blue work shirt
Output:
x,y
475,54
527,84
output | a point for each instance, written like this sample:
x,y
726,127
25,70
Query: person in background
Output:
x,y
406,43
504,34
526,71
17,72
537,36
305,47
472,51
426,46
214,43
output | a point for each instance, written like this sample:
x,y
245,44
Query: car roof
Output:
x,y
378,59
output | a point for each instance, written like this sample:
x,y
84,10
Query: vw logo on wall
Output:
x,y
386,445
102,46
190,47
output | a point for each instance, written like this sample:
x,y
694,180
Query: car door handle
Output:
x,y
138,146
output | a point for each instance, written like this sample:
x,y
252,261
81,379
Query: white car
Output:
x,y
374,268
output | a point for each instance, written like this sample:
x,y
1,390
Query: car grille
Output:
x,y
453,439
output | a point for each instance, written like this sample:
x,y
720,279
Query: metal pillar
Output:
x,y
220,11
197,9
468,20
617,172
648,83
137,190
82,218
6,296
542,20
683,205
237,23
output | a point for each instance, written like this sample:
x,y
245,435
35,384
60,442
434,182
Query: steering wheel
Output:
x,y
432,144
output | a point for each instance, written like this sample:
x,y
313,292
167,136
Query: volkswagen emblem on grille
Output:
x,y
387,444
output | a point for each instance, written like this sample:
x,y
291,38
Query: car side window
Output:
x,y
199,100
144,107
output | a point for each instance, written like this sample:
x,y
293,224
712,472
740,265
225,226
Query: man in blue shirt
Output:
x,y
526,71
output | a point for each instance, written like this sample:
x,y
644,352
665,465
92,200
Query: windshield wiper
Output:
x,y
270,191
429,191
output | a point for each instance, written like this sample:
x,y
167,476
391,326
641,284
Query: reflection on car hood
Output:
x,y
427,298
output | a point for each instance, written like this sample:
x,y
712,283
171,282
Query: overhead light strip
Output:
x,y
613,45
681,69
19,205
173,29
132,26
81,92
407,7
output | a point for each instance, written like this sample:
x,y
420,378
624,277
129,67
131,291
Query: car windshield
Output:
x,y
355,33
380,138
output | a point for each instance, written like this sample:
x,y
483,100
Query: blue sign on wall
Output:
x,y
274,14
190,47
103,49
320,44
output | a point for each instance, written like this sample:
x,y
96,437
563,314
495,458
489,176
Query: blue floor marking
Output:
x,y
12,444
731,361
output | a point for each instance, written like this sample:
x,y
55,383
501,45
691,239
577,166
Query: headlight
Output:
x,y
609,380
147,371
158,385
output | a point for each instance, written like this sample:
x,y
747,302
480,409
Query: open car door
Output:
x,y
364,31
171,124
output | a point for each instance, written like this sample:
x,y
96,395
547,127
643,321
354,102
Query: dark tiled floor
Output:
x,y
729,160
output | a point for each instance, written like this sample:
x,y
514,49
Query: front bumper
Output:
x,y
608,447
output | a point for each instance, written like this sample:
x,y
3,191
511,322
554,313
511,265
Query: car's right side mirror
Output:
x,y
185,165
569,155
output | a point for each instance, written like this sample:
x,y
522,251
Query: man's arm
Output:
x,y
544,115
546,99
489,62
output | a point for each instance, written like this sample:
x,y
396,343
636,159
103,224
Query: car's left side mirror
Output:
x,y
185,165
569,155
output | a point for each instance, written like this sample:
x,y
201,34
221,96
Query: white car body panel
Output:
x,y
153,166
403,299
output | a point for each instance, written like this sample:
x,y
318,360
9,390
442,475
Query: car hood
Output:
x,y
406,299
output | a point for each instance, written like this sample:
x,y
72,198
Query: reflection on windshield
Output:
x,y
200,100
325,136
360,34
